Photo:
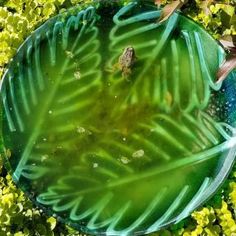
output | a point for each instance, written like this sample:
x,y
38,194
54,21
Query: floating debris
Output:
x,y
44,157
168,98
84,22
81,130
89,132
77,75
138,154
69,54
8,153
125,160
95,165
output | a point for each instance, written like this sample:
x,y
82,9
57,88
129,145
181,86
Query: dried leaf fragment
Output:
x,y
229,64
226,68
158,3
170,8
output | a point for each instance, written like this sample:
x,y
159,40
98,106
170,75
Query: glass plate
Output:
x,y
113,122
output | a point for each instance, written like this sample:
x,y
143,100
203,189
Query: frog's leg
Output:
x,y
126,72
113,69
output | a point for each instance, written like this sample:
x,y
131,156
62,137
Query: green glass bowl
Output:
x,y
113,122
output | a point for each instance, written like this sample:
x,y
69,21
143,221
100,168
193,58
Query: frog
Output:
x,y
126,61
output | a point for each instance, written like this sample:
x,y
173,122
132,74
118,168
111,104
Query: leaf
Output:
x,y
157,2
169,9
151,55
108,185
204,5
53,222
50,85
229,42
111,154
228,66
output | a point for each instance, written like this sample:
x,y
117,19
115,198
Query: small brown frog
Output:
x,y
126,61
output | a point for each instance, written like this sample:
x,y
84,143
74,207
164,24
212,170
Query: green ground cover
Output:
x,y
18,217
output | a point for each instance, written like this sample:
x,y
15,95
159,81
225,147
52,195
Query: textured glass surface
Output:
x,y
113,142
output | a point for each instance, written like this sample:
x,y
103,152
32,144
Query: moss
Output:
x,y
18,18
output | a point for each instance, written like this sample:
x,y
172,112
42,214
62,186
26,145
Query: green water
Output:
x,y
108,153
